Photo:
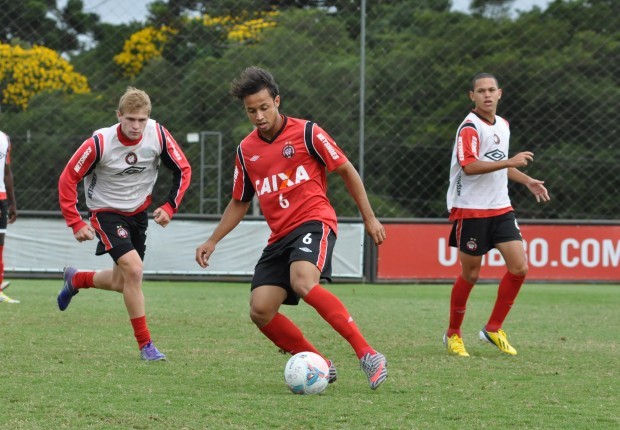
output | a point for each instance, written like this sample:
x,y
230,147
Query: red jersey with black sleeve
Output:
x,y
119,173
289,175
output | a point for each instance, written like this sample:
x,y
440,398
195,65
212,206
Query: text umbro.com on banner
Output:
x,y
555,253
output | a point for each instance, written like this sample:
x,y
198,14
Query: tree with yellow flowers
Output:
x,y
149,43
142,47
26,72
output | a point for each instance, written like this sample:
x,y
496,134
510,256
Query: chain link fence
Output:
x,y
389,80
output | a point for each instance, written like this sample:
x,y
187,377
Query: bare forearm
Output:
x,y
232,216
10,191
518,176
481,167
355,186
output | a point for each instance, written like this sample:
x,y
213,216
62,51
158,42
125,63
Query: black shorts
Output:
x,y
477,236
312,241
4,215
118,234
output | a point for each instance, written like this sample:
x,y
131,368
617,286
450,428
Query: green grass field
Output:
x,y
80,369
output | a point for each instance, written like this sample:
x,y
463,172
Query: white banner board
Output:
x,y
42,245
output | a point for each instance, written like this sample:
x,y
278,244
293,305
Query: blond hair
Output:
x,y
134,100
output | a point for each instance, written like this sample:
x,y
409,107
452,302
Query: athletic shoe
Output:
x,y
68,291
150,353
6,299
4,285
375,368
455,345
333,375
498,339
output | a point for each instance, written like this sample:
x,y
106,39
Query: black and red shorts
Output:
x,y
477,236
312,241
118,234
4,215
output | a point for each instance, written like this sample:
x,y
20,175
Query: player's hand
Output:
x,y
161,217
85,233
376,231
203,253
12,214
538,189
521,159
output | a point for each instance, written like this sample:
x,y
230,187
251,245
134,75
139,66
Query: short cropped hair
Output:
x,y
252,80
134,100
482,76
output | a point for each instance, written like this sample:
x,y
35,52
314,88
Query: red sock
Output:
x,y
458,305
1,265
287,336
506,294
83,280
333,311
141,331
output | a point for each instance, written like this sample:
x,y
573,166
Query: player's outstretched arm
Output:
x,y
355,186
535,186
10,193
232,216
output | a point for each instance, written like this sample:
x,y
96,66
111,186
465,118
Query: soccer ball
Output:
x,y
306,373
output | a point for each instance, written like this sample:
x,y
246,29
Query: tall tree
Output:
x,y
42,22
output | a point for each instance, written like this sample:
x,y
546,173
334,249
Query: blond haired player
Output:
x,y
119,165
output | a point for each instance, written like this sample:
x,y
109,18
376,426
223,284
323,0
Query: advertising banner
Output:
x,y
419,252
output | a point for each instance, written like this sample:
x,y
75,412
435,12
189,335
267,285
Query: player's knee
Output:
x,y
520,270
302,288
133,274
261,315
471,276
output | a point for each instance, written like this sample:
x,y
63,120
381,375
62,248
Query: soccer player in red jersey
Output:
x,y
119,167
284,162
482,213
8,207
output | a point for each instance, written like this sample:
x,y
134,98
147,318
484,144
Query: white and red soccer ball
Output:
x,y
306,373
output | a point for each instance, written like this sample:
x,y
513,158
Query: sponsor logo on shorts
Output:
x,y
306,249
471,245
254,158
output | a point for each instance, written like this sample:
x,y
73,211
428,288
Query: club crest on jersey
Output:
x,y
288,151
280,181
471,245
121,232
496,139
131,158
